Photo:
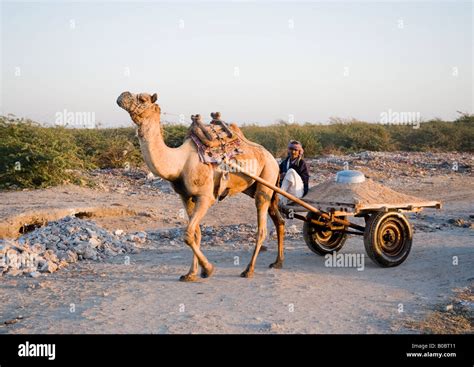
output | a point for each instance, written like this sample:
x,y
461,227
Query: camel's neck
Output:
x,y
162,160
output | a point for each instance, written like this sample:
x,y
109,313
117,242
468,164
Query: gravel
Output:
x,y
59,243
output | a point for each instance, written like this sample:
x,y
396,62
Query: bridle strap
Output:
x,y
138,107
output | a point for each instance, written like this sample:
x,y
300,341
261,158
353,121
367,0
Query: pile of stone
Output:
x,y
395,164
129,181
62,242
234,235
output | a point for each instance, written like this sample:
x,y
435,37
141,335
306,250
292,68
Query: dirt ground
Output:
x,y
140,293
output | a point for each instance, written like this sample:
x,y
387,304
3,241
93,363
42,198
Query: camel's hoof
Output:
x,y
188,278
246,274
276,265
207,273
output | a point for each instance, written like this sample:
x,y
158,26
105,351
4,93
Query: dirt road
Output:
x,y
142,294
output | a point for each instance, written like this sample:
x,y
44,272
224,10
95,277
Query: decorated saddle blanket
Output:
x,y
216,141
218,153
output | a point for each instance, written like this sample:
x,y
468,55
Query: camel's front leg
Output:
x,y
193,233
191,276
262,200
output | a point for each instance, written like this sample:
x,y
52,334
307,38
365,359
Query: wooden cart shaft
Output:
x,y
292,197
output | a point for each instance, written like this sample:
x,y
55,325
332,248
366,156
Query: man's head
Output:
x,y
295,149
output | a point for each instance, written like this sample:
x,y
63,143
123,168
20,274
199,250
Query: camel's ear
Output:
x,y
154,97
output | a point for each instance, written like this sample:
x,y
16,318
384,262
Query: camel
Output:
x,y
196,182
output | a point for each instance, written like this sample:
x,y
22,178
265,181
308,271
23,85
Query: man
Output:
x,y
294,174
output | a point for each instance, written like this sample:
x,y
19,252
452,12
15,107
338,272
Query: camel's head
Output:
x,y
140,106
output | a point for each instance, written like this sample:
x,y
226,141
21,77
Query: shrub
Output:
x,y
36,156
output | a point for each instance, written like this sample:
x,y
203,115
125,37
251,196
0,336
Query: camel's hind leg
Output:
x,y
192,274
202,204
279,223
262,200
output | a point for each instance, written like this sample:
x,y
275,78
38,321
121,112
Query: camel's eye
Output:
x,y
142,98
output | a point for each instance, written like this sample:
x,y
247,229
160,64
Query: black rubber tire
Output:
x,y
321,241
388,238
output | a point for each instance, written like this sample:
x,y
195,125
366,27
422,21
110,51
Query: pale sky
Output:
x,y
252,61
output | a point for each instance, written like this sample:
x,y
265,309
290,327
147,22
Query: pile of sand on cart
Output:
x,y
364,193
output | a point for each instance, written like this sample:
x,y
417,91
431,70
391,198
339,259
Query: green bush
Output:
x,y
174,135
109,148
319,138
436,136
273,138
35,156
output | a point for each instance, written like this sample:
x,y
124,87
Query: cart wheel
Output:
x,y
388,238
321,240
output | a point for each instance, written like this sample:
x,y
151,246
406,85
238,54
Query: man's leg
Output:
x,y
292,184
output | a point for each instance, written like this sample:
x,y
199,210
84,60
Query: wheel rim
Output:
x,y
391,237
325,238
323,235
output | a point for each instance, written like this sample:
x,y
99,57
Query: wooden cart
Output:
x,y
387,232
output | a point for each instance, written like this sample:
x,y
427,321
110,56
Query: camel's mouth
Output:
x,y
125,100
